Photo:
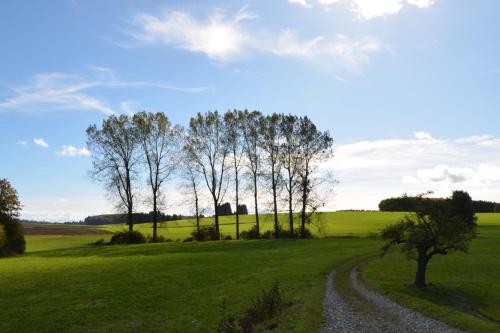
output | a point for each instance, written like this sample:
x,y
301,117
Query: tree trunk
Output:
x,y
421,270
129,219
237,204
275,203
290,209
256,206
303,215
155,219
216,218
197,217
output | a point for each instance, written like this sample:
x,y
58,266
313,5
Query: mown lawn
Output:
x,y
168,287
465,288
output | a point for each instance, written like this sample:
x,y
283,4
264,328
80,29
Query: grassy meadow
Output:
x,y
64,284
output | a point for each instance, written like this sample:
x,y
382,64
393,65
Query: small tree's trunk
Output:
x,y
237,204
421,270
197,216
129,219
275,203
290,209
155,219
303,214
256,205
216,218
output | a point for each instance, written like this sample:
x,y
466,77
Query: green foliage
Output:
x,y
207,233
12,241
252,233
128,237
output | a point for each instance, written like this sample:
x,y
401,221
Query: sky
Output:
x,y
408,89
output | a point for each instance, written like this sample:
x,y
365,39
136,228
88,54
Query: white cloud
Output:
x,y
226,39
303,3
72,151
40,142
338,52
22,142
423,136
218,37
370,9
421,3
369,171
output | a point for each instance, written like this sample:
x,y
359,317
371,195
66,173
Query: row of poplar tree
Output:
x,y
216,151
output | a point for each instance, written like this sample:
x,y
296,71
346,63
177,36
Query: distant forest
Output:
x,y
409,204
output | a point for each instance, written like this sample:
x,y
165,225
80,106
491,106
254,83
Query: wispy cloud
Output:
x,y
61,91
218,37
22,142
72,151
40,142
225,39
368,9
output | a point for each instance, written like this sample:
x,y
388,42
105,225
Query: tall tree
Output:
x,y
190,173
207,146
115,159
233,129
290,161
160,150
437,227
315,146
251,124
271,140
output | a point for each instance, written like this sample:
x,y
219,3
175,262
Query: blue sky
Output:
x,y
409,89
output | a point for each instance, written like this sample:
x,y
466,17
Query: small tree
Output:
x,y
251,124
115,159
207,146
234,137
271,140
11,233
160,143
438,228
315,146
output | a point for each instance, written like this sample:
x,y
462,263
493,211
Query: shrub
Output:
x,y
228,237
250,233
207,233
228,323
128,237
99,242
189,239
12,241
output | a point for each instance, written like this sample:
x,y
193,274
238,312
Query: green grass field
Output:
x,y
64,284
330,224
465,288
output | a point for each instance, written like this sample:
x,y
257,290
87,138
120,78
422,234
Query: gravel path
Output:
x,y
368,311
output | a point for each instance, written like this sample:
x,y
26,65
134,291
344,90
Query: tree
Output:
x,y
191,176
289,156
225,209
207,146
251,124
438,228
315,146
233,132
11,233
271,140
160,150
115,159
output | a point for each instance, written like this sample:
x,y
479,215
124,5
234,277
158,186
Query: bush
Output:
x,y
12,242
99,242
207,233
228,237
265,307
127,237
250,233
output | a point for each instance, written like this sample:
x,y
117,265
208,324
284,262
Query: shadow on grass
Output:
x,y
453,297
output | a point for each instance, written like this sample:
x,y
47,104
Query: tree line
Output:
x,y
218,152
407,203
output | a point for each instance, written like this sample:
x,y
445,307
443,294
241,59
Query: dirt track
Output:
x,y
30,229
